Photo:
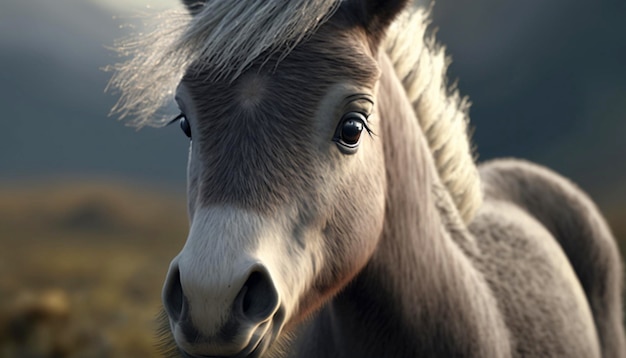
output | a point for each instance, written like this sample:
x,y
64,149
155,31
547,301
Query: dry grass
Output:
x,y
102,251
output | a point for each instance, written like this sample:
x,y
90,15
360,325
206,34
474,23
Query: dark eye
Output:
x,y
184,125
349,132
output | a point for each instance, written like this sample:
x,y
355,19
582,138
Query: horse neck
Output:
x,y
420,293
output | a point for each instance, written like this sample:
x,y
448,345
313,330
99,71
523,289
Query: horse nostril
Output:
x,y
173,298
258,298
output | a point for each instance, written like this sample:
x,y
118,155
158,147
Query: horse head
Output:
x,y
286,173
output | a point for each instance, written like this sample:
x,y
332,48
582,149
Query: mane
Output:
x,y
222,39
420,63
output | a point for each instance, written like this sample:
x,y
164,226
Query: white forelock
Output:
x,y
226,36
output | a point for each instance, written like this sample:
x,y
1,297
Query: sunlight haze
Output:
x,y
126,5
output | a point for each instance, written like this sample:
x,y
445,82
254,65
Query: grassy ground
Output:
x,y
82,269
83,264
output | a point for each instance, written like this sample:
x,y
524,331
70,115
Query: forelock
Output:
x,y
223,39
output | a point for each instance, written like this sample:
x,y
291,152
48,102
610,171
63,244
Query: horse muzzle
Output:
x,y
206,322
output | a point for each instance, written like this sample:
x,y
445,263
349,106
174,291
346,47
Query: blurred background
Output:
x,y
92,211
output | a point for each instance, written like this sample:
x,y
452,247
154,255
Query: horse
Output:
x,y
336,207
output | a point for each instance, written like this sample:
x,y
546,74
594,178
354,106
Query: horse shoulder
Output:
x,y
538,292
576,224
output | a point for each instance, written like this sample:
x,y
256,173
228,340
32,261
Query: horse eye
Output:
x,y
351,130
348,134
184,125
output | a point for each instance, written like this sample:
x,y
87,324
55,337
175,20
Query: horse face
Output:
x,y
285,191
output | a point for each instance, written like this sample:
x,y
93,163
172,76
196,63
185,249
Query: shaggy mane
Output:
x,y
421,64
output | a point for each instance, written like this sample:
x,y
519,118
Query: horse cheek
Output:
x,y
357,223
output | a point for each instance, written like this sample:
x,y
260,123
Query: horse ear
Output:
x,y
377,15
194,6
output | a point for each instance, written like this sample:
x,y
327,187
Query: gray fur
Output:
x,y
510,260
534,274
574,221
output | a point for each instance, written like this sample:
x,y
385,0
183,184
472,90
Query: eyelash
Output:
x,y
175,119
184,124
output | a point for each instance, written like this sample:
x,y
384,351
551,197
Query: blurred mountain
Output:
x,y
546,79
